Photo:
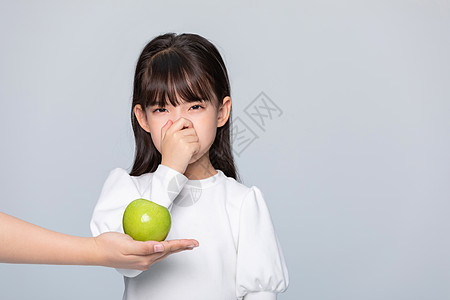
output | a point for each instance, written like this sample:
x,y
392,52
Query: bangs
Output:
x,y
173,77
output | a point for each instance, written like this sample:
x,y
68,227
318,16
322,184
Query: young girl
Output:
x,y
181,114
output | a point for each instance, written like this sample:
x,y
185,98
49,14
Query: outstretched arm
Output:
x,y
23,242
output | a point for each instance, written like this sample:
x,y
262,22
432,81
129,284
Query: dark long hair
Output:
x,y
190,66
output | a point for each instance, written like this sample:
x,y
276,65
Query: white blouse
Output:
x,y
239,255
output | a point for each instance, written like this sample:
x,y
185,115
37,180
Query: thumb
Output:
x,y
165,128
145,248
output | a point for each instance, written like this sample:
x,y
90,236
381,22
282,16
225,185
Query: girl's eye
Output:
x,y
198,106
160,109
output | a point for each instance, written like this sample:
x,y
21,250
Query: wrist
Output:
x,y
77,251
173,166
94,255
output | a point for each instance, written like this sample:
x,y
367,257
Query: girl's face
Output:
x,y
203,115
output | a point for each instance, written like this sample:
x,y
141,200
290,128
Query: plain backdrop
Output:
x,y
354,167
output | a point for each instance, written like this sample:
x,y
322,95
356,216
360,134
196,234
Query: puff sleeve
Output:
x,y
261,270
120,189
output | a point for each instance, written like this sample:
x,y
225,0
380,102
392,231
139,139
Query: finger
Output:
x,y
174,245
183,249
180,124
167,254
189,247
190,139
165,128
159,258
176,250
196,149
144,248
168,247
188,132
150,247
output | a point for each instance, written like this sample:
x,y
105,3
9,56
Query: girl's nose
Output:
x,y
177,115
174,118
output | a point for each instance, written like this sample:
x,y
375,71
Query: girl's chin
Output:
x,y
195,158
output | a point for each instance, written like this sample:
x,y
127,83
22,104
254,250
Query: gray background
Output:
x,y
355,171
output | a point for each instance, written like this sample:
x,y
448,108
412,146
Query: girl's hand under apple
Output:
x,y
118,250
179,143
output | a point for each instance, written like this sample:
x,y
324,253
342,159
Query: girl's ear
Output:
x,y
224,112
141,117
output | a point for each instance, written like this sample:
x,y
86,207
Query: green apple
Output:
x,y
145,220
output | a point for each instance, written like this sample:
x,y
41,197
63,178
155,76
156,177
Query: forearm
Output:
x,y
23,242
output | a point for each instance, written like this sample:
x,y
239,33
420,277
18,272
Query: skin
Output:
x,y
183,134
23,242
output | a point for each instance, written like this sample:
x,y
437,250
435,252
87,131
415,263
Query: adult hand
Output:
x,y
119,250
26,243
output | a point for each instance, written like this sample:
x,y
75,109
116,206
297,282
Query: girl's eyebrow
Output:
x,y
192,102
182,103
